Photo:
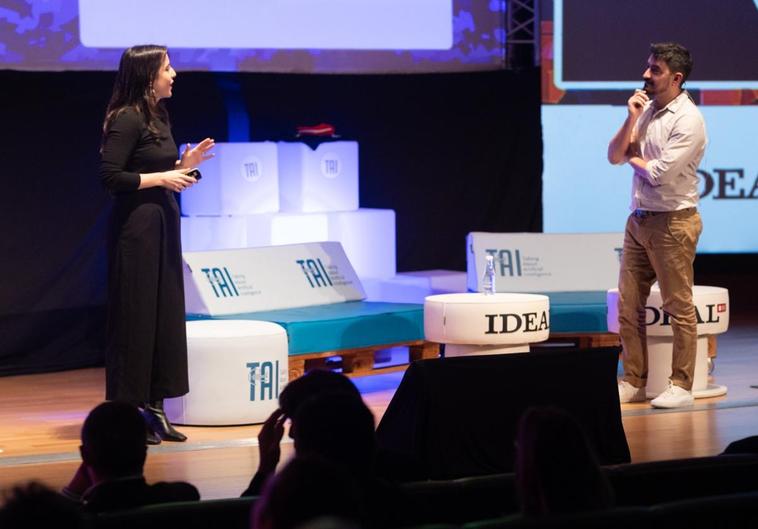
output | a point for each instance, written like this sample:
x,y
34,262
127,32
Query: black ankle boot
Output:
x,y
157,421
152,439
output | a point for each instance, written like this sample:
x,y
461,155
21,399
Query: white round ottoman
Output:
x,y
712,305
477,324
236,370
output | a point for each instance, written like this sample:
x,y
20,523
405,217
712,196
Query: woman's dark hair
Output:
x,y
133,87
308,489
338,427
557,471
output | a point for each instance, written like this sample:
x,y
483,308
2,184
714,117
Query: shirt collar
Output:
x,y
676,103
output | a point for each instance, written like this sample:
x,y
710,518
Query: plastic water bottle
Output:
x,y
488,280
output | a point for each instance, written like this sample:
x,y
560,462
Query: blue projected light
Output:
x,y
583,193
270,24
292,36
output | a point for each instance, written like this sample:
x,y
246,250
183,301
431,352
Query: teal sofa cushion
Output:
x,y
337,326
578,312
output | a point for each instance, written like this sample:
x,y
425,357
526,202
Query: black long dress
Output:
x,y
146,348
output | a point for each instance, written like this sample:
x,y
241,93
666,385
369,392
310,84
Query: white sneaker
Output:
x,y
673,397
629,393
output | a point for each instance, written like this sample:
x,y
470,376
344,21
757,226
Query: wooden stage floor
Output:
x,y
40,417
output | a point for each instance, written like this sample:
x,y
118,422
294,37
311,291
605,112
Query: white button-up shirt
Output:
x,y
672,140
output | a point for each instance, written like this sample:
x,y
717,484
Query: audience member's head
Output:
x,y
35,505
338,427
305,490
114,441
310,384
748,445
556,467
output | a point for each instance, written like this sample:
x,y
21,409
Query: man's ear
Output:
x,y
83,453
679,79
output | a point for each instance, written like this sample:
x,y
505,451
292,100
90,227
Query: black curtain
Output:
x,y
450,153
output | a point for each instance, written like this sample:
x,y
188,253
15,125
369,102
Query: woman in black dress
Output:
x,y
146,350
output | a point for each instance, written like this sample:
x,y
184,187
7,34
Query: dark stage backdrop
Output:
x,y
450,153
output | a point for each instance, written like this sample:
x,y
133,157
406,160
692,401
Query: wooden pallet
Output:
x,y
607,339
586,340
360,360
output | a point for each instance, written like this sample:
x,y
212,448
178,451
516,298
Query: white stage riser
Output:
x,y
414,287
367,235
397,290
320,180
266,177
241,179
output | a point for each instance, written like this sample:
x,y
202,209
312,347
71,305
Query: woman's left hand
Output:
x,y
194,156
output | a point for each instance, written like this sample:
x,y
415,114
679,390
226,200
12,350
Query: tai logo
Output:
x,y
509,323
658,316
251,169
315,272
331,165
221,282
264,380
509,261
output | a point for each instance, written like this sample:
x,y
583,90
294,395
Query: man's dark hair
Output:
x,y
36,505
312,383
114,439
676,57
338,427
307,489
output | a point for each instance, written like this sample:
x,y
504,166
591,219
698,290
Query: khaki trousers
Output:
x,y
659,246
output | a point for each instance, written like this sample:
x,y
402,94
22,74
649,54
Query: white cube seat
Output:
x,y
241,179
318,180
712,306
236,371
474,323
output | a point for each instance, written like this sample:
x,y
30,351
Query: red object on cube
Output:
x,y
322,129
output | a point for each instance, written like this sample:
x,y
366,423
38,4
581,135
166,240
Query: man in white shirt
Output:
x,y
663,139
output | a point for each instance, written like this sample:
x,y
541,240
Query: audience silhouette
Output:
x,y
36,505
291,398
113,452
330,421
557,471
305,490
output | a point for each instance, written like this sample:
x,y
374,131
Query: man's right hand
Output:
x,y
636,103
268,441
79,483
